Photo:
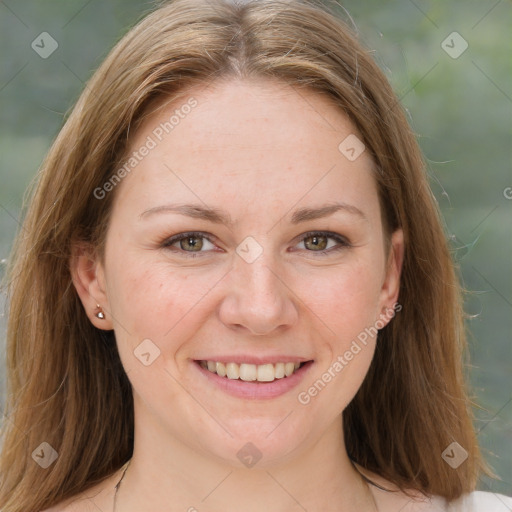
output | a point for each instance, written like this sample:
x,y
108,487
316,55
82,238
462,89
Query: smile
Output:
x,y
251,372
248,380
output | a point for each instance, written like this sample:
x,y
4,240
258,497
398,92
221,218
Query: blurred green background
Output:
x,y
459,107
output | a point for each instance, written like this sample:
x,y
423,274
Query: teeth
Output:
x,y
266,373
232,371
279,370
221,369
248,372
288,369
251,372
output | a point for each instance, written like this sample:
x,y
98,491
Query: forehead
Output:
x,y
258,109
238,139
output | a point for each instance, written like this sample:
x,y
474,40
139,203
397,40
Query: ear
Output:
x,y
88,277
391,285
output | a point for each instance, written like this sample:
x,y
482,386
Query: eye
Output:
x,y
318,241
191,242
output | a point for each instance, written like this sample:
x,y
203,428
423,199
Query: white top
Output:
x,y
480,501
477,501
390,501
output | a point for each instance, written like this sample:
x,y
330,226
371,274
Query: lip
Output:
x,y
255,390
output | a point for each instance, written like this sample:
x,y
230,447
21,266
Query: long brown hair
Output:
x,y
66,384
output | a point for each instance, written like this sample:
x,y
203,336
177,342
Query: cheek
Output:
x,y
153,300
155,313
345,298
347,304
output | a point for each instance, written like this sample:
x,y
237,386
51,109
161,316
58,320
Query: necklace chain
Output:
x,y
366,480
119,485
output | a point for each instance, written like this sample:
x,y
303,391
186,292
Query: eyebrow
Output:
x,y
218,216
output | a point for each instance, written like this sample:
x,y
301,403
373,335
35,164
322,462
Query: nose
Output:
x,y
258,299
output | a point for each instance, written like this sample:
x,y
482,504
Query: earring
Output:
x,y
100,313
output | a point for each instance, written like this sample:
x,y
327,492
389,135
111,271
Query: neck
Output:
x,y
313,480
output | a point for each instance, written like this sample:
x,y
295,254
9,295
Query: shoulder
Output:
x,y
480,501
477,501
74,504
390,499
78,503
94,499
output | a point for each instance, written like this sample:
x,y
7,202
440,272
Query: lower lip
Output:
x,y
253,389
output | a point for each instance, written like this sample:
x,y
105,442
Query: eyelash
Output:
x,y
342,241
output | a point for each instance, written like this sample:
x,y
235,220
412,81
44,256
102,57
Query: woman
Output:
x,y
232,289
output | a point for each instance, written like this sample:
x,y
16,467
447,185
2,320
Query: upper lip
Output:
x,y
252,359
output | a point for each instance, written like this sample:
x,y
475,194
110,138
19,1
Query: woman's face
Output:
x,y
256,171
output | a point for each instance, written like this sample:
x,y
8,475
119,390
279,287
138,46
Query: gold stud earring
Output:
x,y
100,313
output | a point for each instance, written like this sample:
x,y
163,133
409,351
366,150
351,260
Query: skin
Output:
x,y
259,150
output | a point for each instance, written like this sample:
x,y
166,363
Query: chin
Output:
x,y
264,443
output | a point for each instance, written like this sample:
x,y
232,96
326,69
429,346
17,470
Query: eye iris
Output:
x,y
318,245
192,245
